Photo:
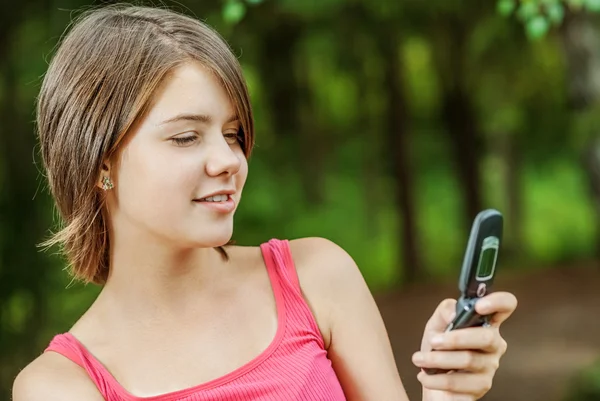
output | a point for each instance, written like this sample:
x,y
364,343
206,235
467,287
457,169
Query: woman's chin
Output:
x,y
212,241
203,235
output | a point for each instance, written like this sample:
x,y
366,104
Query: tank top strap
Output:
x,y
281,261
301,320
68,346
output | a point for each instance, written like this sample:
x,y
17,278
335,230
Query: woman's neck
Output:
x,y
151,278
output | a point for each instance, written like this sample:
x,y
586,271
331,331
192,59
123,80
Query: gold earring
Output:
x,y
107,183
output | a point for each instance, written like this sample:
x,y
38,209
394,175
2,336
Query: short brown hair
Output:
x,y
98,84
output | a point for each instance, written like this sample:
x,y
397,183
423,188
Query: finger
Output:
x,y
499,304
442,316
455,397
460,383
468,361
486,339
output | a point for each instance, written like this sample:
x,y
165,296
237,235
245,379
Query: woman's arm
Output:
x,y
355,336
358,344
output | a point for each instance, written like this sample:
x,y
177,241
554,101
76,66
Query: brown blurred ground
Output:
x,y
554,332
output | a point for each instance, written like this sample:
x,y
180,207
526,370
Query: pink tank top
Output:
x,y
293,367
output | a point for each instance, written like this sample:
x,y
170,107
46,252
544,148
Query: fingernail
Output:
x,y
437,340
417,357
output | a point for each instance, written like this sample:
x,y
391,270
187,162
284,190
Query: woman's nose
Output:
x,y
222,159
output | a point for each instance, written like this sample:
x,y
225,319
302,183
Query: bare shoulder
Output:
x,y
52,377
328,276
321,260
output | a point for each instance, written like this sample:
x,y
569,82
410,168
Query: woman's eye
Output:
x,y
183,140
232,138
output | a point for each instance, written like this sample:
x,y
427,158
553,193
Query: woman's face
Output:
x,y
179,174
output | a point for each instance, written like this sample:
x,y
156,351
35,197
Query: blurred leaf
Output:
x,y
233,11
537,27
505,7
254,2
592,5
528,10
556,13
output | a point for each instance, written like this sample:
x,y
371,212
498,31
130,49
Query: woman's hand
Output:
x,y
472,353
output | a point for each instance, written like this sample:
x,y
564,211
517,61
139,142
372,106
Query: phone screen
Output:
x,y
487,258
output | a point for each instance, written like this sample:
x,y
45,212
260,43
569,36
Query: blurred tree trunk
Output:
x,y
288,95
514,213
580,36
398,148
313,143
461,123
507,147
451,36
370,159
355,41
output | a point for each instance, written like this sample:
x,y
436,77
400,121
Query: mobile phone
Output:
x,y
478,271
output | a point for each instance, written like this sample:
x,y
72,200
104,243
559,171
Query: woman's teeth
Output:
x,y
216,198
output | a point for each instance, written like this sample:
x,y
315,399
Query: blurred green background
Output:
x,y
385,126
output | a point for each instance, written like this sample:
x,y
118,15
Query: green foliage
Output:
x,y
310,8
557,191
233,11
506,7
585,386
537,27
593,5
538,16
556,13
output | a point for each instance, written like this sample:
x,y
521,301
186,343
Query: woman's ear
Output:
x,y
105,181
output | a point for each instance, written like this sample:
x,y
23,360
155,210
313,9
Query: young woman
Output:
x,y
145,127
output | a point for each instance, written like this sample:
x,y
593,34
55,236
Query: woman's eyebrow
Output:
x,y
201,118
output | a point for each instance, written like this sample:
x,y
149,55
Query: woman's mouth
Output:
x,y
215,198
218,203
